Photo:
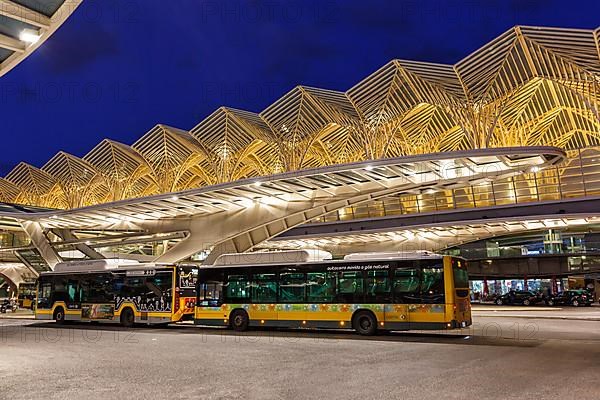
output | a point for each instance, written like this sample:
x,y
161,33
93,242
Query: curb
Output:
x,y
537,317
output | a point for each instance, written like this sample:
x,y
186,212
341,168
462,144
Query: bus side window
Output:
x,y
350,289
320,287
84,290
406,286
44,295
291,287
378,288
211,294
72,293
60,289
432,285
264,288
237,289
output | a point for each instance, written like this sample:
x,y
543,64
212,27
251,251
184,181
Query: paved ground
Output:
x,y
591,313
501,357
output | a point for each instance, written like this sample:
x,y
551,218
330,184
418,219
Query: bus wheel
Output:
x,y
127,318
365,323
239,321
59,315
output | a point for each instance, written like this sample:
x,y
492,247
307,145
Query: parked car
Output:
x,y
573,298
523,297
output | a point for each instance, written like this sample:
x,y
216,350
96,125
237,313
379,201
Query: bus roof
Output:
x,y
272,257
392,255
78,267
355,257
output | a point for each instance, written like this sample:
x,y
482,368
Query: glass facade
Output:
x,y
579,176
536,243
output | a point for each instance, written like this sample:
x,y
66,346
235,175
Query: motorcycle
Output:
x,y
8,305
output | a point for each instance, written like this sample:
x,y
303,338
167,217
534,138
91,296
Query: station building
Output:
x,y
495,158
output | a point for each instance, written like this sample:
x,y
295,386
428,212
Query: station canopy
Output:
x,y
531,86
416,174
27,24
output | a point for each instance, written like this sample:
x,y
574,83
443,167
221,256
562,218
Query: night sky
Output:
x,y
117,68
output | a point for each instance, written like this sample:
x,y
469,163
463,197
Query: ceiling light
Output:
x,y
29,36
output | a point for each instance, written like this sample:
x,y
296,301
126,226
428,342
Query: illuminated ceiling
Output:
x,y
530,86
433,238
417,173
238,216
26,24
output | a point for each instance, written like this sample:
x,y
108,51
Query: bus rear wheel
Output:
x,y
127,318
364,323
239,321
59,315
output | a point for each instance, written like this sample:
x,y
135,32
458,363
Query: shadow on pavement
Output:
x,y
441,337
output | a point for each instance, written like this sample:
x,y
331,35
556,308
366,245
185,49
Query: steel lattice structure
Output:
x,y
530,86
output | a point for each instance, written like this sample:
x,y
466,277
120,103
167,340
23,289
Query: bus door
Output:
x,y
185,290
263,294
458,289
73,297
405,283
432,307
378,294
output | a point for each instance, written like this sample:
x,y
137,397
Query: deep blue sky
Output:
x,y
117,68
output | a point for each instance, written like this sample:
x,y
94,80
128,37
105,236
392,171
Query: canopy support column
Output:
x,y
38,237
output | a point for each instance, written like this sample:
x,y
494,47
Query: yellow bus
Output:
x,y
117,291
365,291
26,295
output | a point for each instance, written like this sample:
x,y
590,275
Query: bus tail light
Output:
x,y
176,307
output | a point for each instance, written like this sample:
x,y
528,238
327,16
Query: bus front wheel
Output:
x,y
365,323
239,321
59,315
127,318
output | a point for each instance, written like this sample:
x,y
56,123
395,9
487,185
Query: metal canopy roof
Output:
x,y
415,173
530,86
26,24
432,238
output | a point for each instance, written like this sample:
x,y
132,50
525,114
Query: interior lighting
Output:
x,y
29,36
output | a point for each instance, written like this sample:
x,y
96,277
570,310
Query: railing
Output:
x,y
32,258
578,177
583,248
14,239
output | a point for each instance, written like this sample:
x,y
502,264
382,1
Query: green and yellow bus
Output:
x,y
117,291
367,292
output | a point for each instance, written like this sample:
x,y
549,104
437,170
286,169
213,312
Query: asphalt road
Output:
x,y
501,357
